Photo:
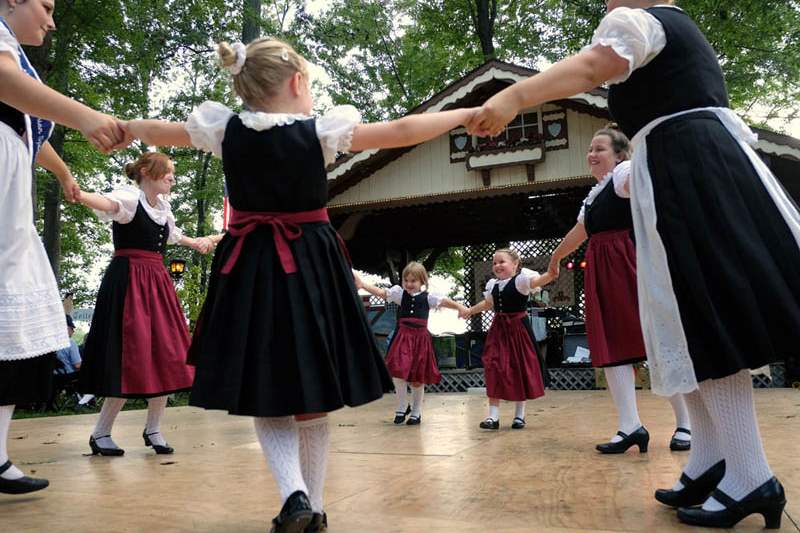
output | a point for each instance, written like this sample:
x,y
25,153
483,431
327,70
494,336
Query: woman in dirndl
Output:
x,y
138,341
612,310
32,323
511,366
716,235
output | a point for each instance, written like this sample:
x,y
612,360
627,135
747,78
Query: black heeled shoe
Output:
x,y
319,522
490,423
518,423
105,452
400,417
680,445
22,485
694,491
160,449
295,515
414,420
640,438
767,500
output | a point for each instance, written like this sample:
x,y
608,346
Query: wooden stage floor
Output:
x,y
444,476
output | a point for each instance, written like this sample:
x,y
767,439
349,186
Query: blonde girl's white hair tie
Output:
x,y
285,54
240,50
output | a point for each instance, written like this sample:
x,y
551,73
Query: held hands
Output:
x,y
492,117
72,191
202,245
464,312
104,131
554,268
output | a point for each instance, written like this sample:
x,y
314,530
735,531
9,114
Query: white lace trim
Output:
x,y
32,323
259,121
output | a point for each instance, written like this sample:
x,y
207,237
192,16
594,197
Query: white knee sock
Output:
x,y
155,410
622,386
6,411
401,391
314,437
706,451
494,412
519,410
730,403
280,443
416,400
105,423
681,416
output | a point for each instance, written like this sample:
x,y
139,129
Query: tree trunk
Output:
x,y
483,18
251,28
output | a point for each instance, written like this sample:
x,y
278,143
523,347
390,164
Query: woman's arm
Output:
x,y
409,130
97,202
159,132
25,94
569,244
48,159
576,74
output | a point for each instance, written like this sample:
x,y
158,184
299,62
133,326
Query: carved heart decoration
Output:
x,y
554,128
460,142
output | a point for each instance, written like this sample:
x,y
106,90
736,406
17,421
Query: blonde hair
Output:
x,y
619,141
511,253
156,164
417,271
269,63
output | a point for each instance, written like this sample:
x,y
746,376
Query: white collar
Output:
x,y
261,121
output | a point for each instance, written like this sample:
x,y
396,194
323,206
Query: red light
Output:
x,y
570,265
583,263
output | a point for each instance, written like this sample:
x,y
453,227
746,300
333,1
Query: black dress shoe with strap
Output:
x,y
319,522
640,438
160,449
490,423
694,491
767,500
517,423
21,485
400,416
295,515
414,420
105,452
680,445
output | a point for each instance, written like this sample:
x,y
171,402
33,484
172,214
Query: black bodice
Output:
x,y
12,118
685,75
509,300
608,212
414,306
141,233
279,169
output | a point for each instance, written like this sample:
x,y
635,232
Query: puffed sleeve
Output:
x,y
621,177
175,233
395,294
8,43
335,131
434,300
127,198
523,281
487,294
206,126
634,34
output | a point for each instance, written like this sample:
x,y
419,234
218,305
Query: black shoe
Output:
x,y
640,438
414,420
694,491
680,445
319,522
767,500
22,485
518,423
295,514
160,450
105,452
400,416
490,423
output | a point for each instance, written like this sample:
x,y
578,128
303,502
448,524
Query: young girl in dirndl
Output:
x,y
511,365
411,359
283,336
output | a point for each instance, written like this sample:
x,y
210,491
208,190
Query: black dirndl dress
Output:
x,y
138,341
269,342
731,257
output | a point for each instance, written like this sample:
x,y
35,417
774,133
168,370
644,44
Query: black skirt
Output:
x,y
27,381
734,263
270,344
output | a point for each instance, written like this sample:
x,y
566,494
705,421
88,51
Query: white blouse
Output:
x,y
634,34
206,126
8,43
395,295
523,284
620,174
128,198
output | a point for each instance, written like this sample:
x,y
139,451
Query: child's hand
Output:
x,y
496,112
554,268
203,245
72,191
464,312
127,140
